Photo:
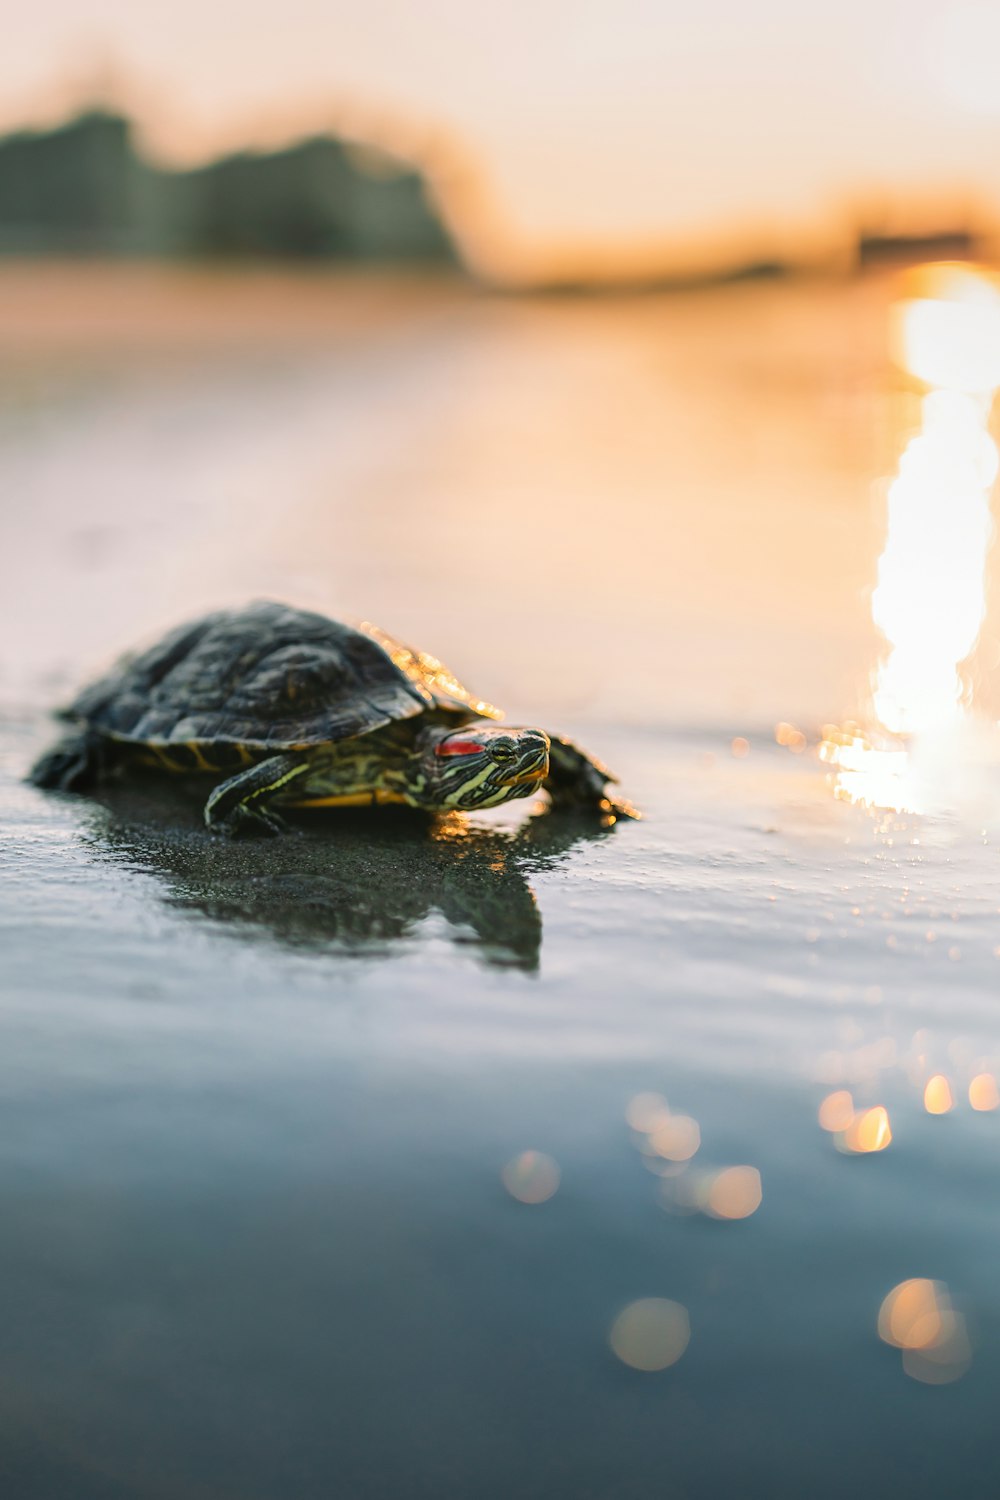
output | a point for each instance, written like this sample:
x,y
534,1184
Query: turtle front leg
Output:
x,y
575,779
240,806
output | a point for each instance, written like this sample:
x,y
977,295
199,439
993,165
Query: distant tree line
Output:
x,y
82,189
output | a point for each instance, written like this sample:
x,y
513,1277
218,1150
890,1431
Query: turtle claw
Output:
x,y
619,807
576,780
250,823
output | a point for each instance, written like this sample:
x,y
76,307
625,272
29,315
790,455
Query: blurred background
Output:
x,y
557,144
567,323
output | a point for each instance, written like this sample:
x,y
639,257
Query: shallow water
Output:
x,y
257,1098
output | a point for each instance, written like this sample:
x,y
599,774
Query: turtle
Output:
x,y
296,710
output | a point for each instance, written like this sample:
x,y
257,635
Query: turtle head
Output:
x,y
481,765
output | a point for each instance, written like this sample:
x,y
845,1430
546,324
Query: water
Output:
x,y
257,1098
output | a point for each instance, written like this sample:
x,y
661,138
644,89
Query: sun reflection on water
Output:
x,y
929,600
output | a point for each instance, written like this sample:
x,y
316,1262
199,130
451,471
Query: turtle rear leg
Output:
x,y
577,780
77,763
240,806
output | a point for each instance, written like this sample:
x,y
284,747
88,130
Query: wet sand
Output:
x,y
257,1098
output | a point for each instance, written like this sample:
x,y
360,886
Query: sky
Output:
x,y
570,131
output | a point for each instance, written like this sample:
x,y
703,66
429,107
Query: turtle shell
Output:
x,y
269,677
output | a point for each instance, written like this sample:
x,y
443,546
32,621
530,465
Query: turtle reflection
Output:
x,y
356,881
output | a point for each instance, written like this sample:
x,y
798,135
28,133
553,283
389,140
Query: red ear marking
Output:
x,y
458,747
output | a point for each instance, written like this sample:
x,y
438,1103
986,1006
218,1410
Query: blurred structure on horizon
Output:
x,y
82,188
569,146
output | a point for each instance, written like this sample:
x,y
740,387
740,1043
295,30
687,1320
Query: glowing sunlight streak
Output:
x,y
929,600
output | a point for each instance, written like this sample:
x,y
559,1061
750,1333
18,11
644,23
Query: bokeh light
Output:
x,y
910,1315
677,1138
647,1111
937,1095
787,735
836,1111
651,1334
531,1177
869,1131
917,1317
983,1092
734,1193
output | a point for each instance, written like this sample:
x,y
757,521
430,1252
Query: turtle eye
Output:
x,y
503,753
